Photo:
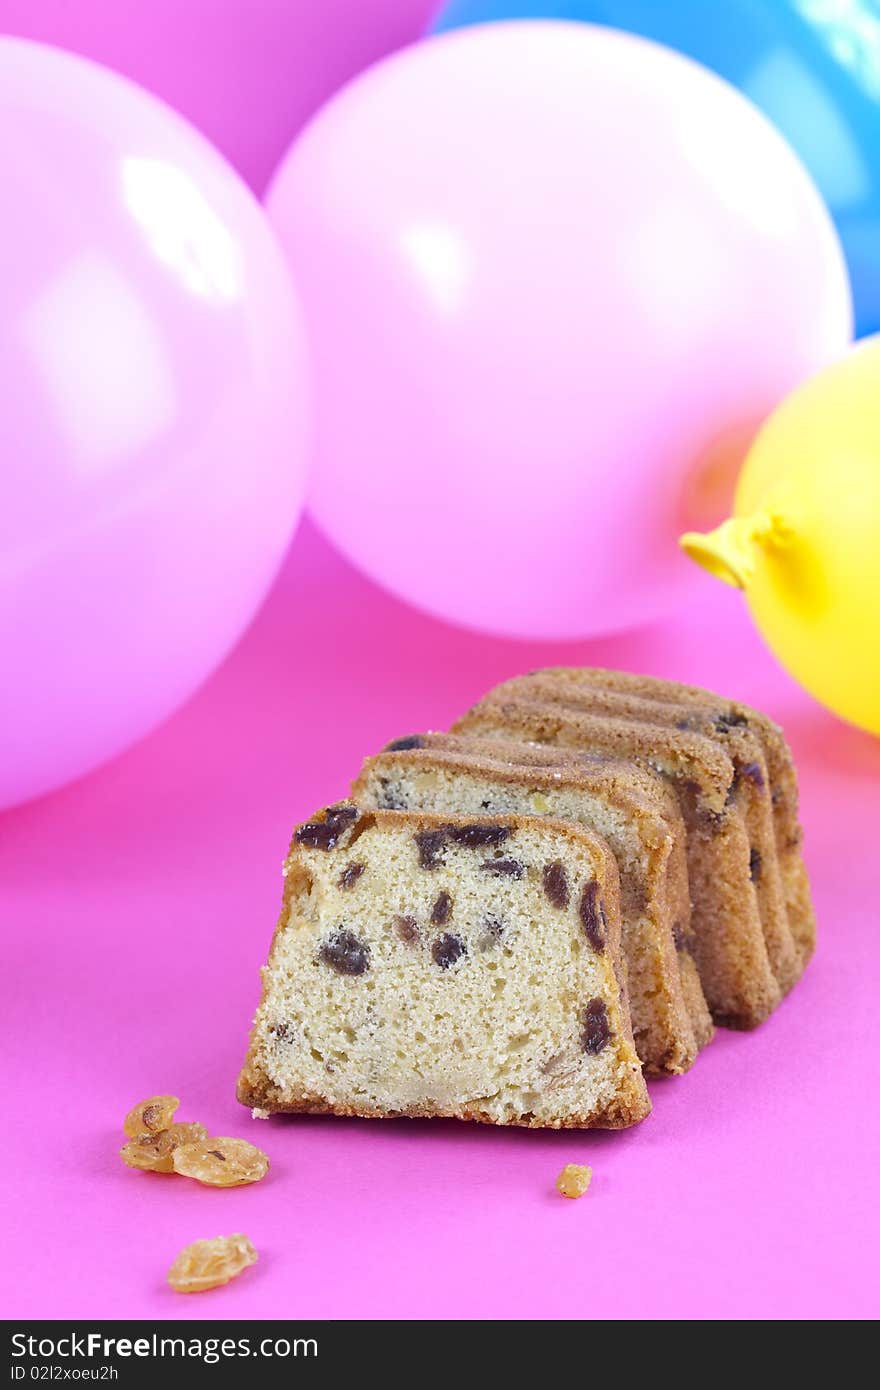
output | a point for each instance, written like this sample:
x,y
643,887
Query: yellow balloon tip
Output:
x,y
729,551
721,552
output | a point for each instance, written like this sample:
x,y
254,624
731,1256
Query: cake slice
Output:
x,y
750,791
783,787
728,939
634,812
447,966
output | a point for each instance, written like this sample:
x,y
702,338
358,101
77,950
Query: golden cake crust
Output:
x,y
780,766
751,790
733,964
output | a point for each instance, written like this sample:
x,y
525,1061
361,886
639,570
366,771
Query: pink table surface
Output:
x,y
137,905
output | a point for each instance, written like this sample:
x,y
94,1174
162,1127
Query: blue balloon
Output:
x,y
812,66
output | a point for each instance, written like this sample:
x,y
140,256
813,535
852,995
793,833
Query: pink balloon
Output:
x,y
549,272
152,413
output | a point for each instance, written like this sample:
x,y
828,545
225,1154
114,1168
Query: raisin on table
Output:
x,y
574,1180
150,1116
206,1264
221,1162
154,1153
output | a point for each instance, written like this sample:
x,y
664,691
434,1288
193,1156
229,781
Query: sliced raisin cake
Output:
x,y
727,715
749,791
635,812
729,944
447,965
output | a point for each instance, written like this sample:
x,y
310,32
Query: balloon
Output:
x,y
804,541
810,65
152,413
550,272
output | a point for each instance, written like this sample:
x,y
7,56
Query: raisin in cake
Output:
x,y
635,813
728,939
447,966
727,715
749,792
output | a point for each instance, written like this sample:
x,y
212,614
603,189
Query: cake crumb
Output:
x,y
574,1180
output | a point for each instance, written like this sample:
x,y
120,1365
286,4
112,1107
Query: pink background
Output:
x,y
137,905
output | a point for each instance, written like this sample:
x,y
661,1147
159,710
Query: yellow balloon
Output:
x,y
804,540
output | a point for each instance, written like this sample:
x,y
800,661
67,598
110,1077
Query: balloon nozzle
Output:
x,y
728,552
